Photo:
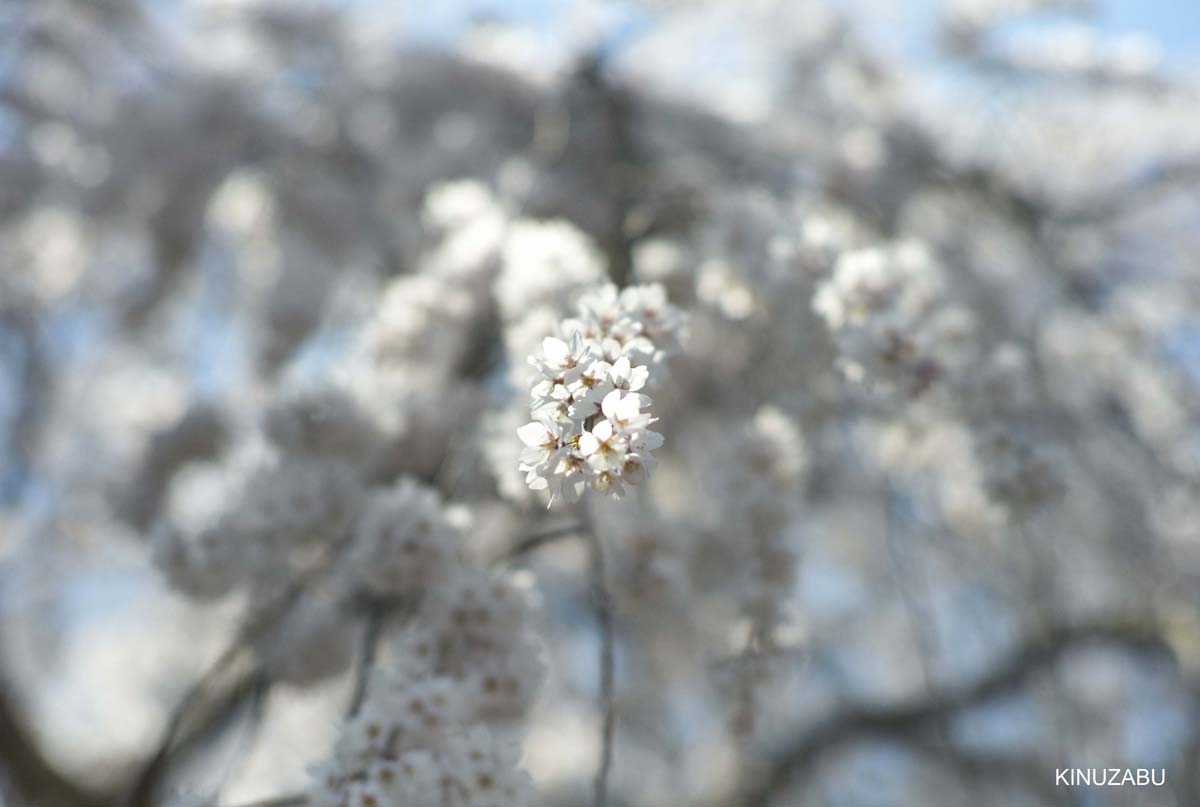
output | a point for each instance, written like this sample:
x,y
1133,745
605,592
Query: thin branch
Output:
x,y
245,742
235,677
376,617
279,801
976,768
862,722
1133,194
908,581
602,600
538,540
35,389
198,725
229,682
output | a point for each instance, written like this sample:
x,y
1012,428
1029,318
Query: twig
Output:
x,y
602,600
256,708
190,721
1133,194
279,801
35,388
376,616
540,539
917,716
607,661
196,724
908,580
976,768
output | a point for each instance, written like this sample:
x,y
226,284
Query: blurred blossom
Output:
x,y
489,404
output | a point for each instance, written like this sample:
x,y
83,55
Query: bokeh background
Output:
x,y
202,203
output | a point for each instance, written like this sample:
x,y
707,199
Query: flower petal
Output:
x,y
620,370
609,405
628,408
602,431
556,351
534,434
647,440
638,377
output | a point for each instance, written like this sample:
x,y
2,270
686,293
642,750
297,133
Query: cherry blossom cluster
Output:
x,y
283,506
761,485
432,729
457,671
407,748
589,426
887,312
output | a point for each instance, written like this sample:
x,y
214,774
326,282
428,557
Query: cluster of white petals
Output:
x,y
541,261
410,746
403,542
589,426
279,523
435,727
325,309
887,312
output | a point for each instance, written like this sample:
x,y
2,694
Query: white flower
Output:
x,y
467,657
484,770
589,426
594,383
627,377
559,356
402,541
603,447
637,321
542,263
625,411
643,441
635,467
544,449
890,320
561,367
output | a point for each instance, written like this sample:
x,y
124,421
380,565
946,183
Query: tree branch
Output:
x,y
862,722
602,601
279,801
607,661
372,632
536,541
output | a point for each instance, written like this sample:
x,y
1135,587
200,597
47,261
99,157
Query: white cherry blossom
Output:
x,y
590,426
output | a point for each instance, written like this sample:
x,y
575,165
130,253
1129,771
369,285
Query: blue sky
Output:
x,y
1175,24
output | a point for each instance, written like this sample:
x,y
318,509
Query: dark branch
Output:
x,y
866,722
280,801
976,768
539,539
602,601
236,678
372,632
203,715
